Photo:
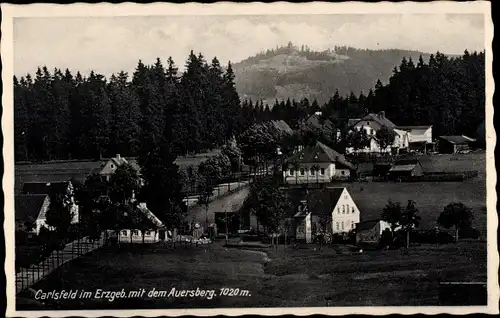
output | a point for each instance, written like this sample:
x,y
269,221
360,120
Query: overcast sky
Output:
x,y
111,44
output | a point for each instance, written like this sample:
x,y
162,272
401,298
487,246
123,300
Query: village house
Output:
x,y
420,137
405,169
317,164
147,228
316,122
454,144
30,212
370,232
330,210
111,165
54,188
371,123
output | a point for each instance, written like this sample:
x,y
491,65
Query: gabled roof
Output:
x,y
457,140
319,201
28,207
320,153
353,121
382,120
317,122
45,187
281,125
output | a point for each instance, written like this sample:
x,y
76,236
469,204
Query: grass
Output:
x,y
431,197
291,278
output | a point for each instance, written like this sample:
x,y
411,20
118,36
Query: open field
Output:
x,y
302,277
431,197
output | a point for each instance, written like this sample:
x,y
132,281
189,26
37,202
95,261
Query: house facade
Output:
x,y
370,232
406,137
418,133
317,164
330,210
372,123
147,229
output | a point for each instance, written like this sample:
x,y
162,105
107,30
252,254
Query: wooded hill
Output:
x,y
293,72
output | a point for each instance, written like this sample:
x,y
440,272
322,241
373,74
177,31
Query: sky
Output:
x,y
111,44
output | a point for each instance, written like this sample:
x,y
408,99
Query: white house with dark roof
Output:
x,y
371,123
331,205
316,164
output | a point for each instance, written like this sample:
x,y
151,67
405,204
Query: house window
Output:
x,y
352,224
347,209
312,172
112,166
353,210
135,232
292,172
342,172
322,171
338,210
301,171
343,209
147,233
342,225
337,226
124,232
368,123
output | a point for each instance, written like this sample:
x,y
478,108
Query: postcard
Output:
x,y
230,158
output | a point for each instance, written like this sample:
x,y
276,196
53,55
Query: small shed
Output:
x,y
405,168
370,232
454,144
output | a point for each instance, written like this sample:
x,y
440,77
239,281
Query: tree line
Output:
x,y
59,115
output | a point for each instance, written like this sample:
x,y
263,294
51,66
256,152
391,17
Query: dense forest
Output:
x,y
61,116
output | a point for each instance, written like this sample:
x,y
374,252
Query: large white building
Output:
x,y
316,164
405,136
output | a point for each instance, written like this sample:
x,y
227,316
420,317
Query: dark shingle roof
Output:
x,y
382,120
320,153
27,207
319,201
282,126
315,121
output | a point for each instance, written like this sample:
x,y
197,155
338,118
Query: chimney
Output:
x,y
118,157
381,114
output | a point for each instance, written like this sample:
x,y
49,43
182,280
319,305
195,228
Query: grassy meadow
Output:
x,y
283,278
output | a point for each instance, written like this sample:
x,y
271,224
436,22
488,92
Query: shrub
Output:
x,y
469,232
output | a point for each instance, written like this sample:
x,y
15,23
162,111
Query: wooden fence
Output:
x,y
27,277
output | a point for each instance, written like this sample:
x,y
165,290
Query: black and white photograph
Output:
x,y
249,158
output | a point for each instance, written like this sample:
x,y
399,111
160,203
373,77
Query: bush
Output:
x,y
469,233
431,236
